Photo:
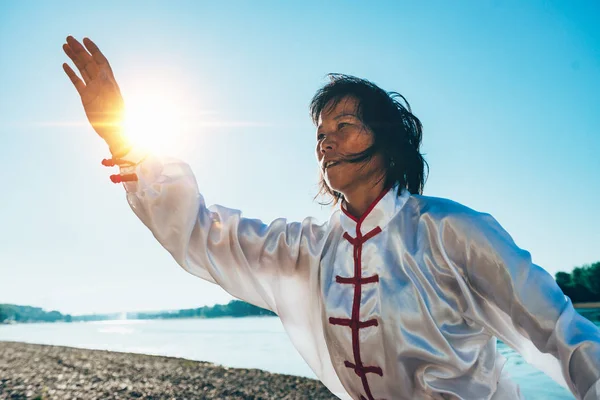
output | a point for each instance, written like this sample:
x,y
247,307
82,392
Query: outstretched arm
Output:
x,y
262,264
521,303
253,261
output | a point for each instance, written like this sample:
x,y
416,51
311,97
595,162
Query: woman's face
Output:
x,y
340,134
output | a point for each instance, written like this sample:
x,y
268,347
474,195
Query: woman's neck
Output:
x,y
360,199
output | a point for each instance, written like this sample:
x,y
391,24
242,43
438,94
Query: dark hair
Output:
x,y
397,132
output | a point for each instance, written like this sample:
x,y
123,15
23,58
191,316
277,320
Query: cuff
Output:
x,y
129,168
146,168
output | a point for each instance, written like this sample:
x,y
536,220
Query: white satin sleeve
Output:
x,y
521,304
246,257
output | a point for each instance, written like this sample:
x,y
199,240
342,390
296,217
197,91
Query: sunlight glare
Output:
x,y
155,120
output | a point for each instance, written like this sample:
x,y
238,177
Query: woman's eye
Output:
x,y
320,136
342,124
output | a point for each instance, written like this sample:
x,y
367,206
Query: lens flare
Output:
x,y
154,122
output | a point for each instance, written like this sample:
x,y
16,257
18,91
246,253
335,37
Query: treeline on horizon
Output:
x,y
582,285
14,313
235,308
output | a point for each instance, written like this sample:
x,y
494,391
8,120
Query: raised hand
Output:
x,y
99,91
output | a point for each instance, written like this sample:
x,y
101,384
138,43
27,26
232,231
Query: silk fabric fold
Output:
x,y
404,303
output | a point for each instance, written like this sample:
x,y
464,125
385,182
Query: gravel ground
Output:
x,y
31,371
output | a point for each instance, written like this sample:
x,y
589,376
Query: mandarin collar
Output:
x,y
379,213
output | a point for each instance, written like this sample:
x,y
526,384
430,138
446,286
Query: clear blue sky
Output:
x,y
508,93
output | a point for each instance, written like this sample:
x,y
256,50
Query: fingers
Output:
x,y
79,85
78,64
96,53
82,59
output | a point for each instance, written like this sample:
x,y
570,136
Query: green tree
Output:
x,y
582,284
593,278
563,279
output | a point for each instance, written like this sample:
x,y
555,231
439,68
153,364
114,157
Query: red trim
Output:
x,y
354,323
361,371
359,240
362,281
108,162
352,217
123,178
369,209
111,162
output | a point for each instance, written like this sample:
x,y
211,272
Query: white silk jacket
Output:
x,y
403,303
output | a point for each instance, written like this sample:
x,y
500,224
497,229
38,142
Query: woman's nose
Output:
x,y
326,148
326,145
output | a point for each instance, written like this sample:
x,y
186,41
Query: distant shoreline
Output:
x,y
587,305
594,307
57,372
135,319
236,308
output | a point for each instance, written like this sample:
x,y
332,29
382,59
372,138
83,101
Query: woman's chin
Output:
x,y
334,184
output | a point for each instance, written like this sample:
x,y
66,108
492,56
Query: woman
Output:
x,y
398,295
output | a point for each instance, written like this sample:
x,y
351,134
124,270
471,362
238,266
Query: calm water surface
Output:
x,y
258,342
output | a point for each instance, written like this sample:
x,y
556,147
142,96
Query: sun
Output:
x,y
156,119
152,121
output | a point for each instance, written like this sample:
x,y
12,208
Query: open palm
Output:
x,y
99,91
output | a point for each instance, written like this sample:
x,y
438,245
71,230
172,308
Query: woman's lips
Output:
x,y
331,164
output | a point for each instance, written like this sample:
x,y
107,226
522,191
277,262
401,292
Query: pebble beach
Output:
x,y
31,371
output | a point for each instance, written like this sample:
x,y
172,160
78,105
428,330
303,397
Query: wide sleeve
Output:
x,y
246,257
521,304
